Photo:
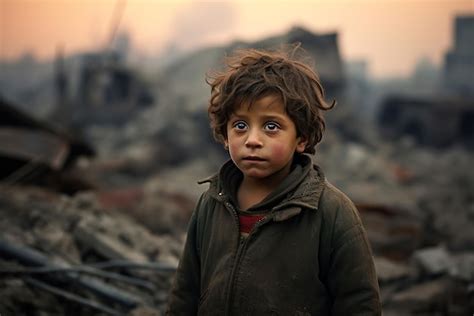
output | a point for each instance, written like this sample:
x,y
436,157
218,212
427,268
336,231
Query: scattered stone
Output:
x,y
76,233
434,260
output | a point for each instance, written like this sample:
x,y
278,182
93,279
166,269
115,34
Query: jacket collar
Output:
x,y
301,189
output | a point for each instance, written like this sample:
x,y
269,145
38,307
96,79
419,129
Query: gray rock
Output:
x,y
435,260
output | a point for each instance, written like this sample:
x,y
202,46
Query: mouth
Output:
x,y
253,158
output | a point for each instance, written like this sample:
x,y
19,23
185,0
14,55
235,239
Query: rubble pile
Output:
x,y
67,256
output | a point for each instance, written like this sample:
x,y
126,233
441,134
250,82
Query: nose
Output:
x,y
254,139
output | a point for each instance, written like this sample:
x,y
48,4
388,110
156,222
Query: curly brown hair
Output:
x,y
252,74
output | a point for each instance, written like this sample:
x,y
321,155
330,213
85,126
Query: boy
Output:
x,y
271,236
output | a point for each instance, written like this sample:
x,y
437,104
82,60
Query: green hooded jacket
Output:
x,y
308,256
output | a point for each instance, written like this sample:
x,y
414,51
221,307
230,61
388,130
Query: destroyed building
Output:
x,y
33,151
432,122
459,61
189,71
323,49
102,90
445,117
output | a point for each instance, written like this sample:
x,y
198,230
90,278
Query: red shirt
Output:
x,y
247,222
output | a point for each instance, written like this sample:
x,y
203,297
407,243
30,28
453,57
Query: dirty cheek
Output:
x,y
233,148
279,152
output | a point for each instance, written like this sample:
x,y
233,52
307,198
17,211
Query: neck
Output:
x,y
254,190
250,194
264,184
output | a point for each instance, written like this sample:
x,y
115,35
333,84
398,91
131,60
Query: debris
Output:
x,y
434,260
30,257
72,297
34,146
140,275
33,151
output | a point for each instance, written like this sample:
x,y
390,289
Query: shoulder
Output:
x,y
210,202
204,202
334,199
339,213
213,190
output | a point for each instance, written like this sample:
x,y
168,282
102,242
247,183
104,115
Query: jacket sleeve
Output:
x,y
352,279
185,291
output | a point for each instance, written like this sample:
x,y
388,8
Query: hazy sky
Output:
x,y
392,35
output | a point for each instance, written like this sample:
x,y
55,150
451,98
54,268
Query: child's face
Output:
x,y
262,139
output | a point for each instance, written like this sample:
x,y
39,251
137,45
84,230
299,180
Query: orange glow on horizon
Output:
x,y
391,34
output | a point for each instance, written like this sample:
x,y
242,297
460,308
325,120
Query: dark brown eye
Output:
x,y
271,126
240,125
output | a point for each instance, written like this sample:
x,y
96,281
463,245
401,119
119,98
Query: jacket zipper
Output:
x,y
240,250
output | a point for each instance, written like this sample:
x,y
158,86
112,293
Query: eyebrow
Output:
x,y
265,117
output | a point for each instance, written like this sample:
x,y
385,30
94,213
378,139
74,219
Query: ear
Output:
x,y
226,145
301,143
